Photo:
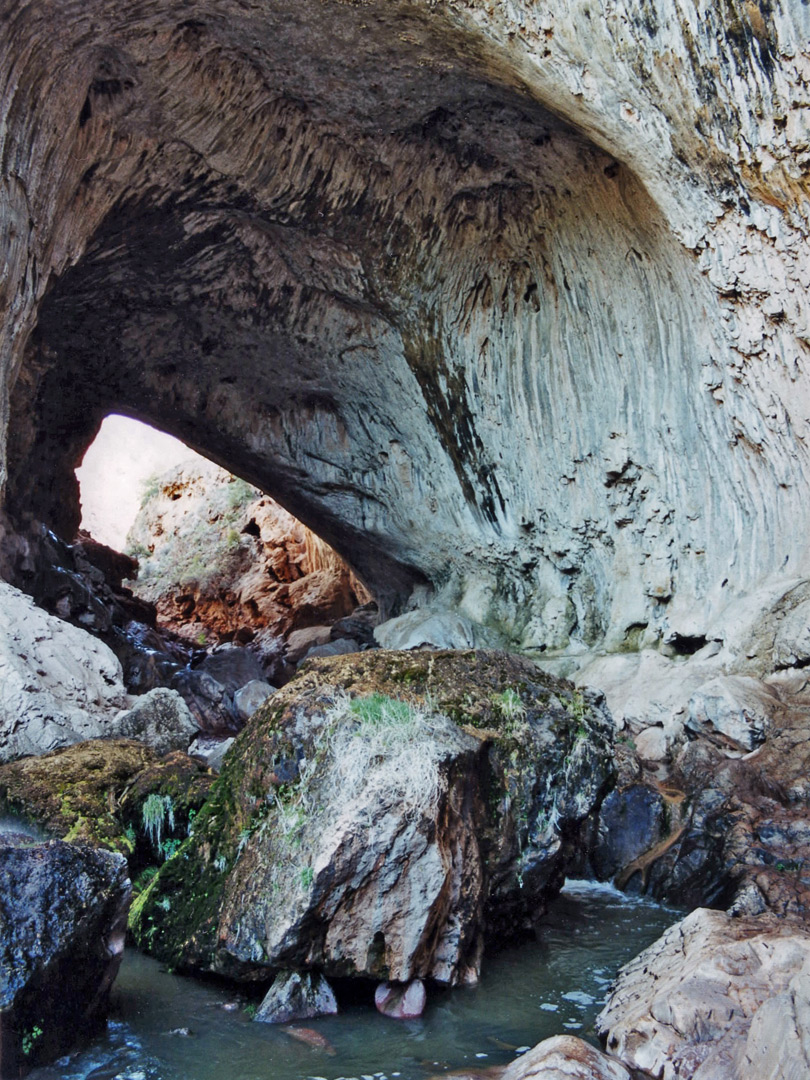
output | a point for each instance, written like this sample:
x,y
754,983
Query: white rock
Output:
x,y
58,684
691,1005
160,718
431,629
565,1057
738,707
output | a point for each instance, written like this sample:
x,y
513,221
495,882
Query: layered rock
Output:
x,y
378,834
509,304
63,914
715,998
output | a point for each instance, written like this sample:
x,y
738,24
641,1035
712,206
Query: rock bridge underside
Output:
x,y
507,302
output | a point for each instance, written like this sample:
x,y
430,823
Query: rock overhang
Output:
x,y
353,252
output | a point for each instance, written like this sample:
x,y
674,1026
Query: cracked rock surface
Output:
x,y
509,304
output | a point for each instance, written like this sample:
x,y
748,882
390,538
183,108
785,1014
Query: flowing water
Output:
x,y
166,1027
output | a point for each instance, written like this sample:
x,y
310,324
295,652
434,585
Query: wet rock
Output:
x,y
744,818
58,684
632,820
159,806
734,711
249,697
297,996
62,923
691,1005
73,793
377,834
232,666
161,719
565,1057
401,1002
208,701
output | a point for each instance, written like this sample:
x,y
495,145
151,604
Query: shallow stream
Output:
x,y
551,986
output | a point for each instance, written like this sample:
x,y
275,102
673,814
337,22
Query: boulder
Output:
x,y
208,701
564,1057
301,641
424,628
297,996
73,793
249,697
62,924
401,1002
632,820
734,711
690,1007
161,719
376,835
336,647
58,684
211,751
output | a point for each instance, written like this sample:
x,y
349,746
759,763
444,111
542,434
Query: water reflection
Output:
x,y
529,992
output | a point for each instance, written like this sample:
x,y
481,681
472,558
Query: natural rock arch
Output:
x,y
504,304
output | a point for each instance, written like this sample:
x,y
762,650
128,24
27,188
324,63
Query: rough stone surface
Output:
x,y
222,562
295,864
737,710
690,1007
161,719
511,305
62,924
58,684
73,793
297,996
429,629
401,1002
565,1057
249,697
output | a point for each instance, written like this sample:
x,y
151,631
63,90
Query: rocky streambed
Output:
x,y
380,831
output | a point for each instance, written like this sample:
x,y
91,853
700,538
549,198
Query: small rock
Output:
x,y
565,1057
402,1002
297,995
161,719
248,698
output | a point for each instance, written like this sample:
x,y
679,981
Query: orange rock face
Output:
x,y
223,562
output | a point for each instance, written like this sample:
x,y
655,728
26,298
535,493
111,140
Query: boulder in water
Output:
x,y
401,1002
62,923
377,812
297,996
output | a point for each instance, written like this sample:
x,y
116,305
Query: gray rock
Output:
x,y
371,862
738,709
233,667
401,1002
430,629
58,683
564,1057
208,700
212,751
297,995
691,1005
300,642
249,697
338,647
161,719
63,911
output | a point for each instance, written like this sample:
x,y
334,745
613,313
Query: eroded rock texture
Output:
x,y
509,301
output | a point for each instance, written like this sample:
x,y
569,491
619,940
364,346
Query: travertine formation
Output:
x,y
507,301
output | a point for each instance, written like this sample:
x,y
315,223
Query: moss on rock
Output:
x,y
72,794
545,760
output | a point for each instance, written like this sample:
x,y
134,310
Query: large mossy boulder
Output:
x,y
381,813
98,792
62,923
